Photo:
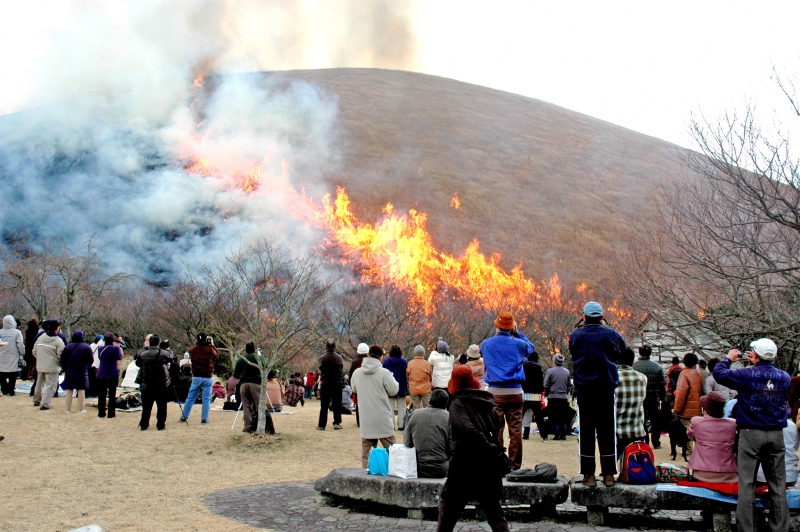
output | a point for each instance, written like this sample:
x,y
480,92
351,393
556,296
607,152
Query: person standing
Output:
x,y
595,350
248,390
75,360
12,355
532,390
473,471
687,395
631,394
398,366
442,362
503,355
710,384
153,368
556,386
760,417
31,333
673,372
656,393
311,379
110,353
47,349
419,372
331,382
375,385
362,352
202,356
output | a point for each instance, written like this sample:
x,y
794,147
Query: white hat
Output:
x,y
362,349
764,348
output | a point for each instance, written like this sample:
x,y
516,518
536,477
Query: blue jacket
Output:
x,y
397,365
763,393
595,350
503,356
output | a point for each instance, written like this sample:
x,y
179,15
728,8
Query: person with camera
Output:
x,y
760,418
153,363
202,356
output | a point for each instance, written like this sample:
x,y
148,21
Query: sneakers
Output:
x,y
337,427
82,412
67,411
545,440
183,419
589,480
608,480
204,422
320,428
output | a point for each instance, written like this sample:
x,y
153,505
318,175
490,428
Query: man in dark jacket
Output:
x,y
556,386
532,390
656,392
503,355
202,356
249,387
595,350
331,377
760,417
153,363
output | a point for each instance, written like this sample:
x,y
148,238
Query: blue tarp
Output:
x,y
792,495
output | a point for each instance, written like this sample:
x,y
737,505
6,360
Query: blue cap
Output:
x,y
593,309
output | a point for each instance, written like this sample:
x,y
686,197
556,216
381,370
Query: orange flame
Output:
x,y
455,202
198,81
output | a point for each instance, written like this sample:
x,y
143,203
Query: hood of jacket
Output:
x,y
78,337
371,365
9,322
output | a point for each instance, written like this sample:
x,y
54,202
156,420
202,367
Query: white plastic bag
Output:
x,y
402,461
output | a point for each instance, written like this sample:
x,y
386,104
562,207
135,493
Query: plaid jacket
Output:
x,y
294,394
631,392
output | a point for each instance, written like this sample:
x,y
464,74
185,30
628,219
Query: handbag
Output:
x,y
402,461
378,463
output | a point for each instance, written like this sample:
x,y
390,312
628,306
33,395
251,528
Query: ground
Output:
x,y
62,471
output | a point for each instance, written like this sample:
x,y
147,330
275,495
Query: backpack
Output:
x,y
638,464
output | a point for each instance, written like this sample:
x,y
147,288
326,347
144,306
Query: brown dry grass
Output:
x,y
64,471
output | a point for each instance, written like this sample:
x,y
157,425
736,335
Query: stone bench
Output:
x,y
598,499
419,494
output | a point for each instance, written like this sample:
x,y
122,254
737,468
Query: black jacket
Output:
x,y
656,382
473,433
331,369
534,377
154,367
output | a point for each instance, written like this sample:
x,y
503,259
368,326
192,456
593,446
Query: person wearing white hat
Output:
x,y
760,418
361,353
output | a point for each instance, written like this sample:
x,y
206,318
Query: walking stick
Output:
x,y
235,419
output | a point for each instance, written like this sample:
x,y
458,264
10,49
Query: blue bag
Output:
x,y
378,462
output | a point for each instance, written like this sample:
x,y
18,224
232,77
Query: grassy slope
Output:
x,y
540,184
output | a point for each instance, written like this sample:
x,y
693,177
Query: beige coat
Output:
x,y
47,351
374,385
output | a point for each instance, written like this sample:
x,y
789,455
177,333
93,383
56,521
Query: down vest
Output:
x,y
687,395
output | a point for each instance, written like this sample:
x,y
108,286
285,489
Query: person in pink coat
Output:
x,y
712,459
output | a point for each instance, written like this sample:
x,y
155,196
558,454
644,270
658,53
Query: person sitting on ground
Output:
x,y
428,431
249,390
295,393
347,398
687,395
713,459
442,362
790,442
472,472
76,359
217,391
631,393
275,392
47,349
375,385
711,384
419,374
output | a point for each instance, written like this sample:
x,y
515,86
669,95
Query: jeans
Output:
x,y
8,381
767,448
509,409
107,388
198,384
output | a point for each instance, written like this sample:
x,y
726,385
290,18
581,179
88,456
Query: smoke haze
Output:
x,y
111,120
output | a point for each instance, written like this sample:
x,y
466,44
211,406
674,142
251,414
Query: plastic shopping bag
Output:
x,y
402,461
378,462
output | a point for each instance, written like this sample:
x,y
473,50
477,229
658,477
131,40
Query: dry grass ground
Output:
x,y
64,471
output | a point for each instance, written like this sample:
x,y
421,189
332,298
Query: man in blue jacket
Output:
x,y
595,350
503,355
760,417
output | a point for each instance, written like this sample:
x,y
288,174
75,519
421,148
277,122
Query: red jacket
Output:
x,y
203,357
311,378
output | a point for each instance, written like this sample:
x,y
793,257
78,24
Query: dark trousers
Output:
x,y
597,421
330,393
308,392
533,411
509,409
106,388
159,397
251,395
8,381
763,447
450,511
557,416
652,413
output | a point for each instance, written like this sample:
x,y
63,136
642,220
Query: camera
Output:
x,y
209,340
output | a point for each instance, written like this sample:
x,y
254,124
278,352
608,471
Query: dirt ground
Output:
x,y
61,471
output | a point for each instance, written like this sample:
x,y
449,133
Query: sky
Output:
x,y
645,65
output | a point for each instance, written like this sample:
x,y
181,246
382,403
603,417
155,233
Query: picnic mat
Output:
x,y
218,408
792,495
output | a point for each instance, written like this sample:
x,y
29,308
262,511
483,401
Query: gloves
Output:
x,y
22,363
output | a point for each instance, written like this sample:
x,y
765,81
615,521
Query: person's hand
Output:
x,y
733,355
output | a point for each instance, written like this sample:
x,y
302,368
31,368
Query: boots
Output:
x,y
526,432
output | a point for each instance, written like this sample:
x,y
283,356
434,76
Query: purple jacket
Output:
x,y
713,448
109,356
763,393
397,365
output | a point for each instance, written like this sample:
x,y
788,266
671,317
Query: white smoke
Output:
x,y
103,150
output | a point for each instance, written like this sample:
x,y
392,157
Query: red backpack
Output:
x,y
638,464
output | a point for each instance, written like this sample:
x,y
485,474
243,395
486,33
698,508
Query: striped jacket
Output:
x,y
631,392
